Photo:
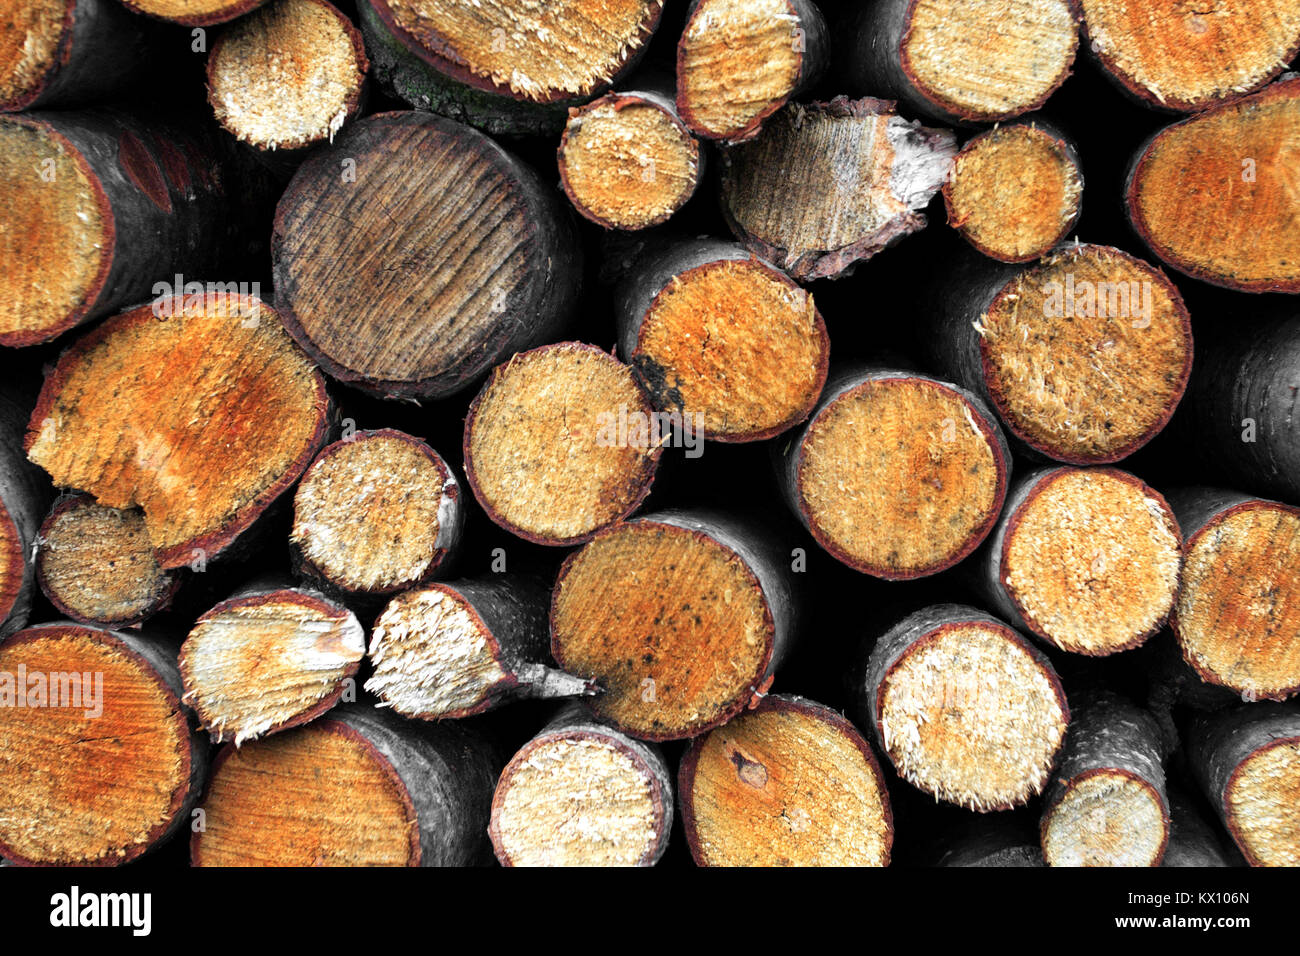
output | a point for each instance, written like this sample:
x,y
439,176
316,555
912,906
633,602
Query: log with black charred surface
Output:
x,y
511,67
1247,761
415,253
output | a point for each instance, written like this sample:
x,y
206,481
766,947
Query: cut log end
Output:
x,y
434,657
1183,56
320,795
962,693
1092,560
711,338
13,565
1014,193
1103,374
627,162
1239,608
288,76
1262,804
900,477
576,798
956,62
55,232
536,52
558,443
97,564
790,783
376,513
1106,818
260,664
196,13
31,36
1214,196
201,419
827,185
672,624
95,769
738,61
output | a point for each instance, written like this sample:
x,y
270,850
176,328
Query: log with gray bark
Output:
x,y
581,793
24,493
1107,804
966,709
1247,761
459,648
358,787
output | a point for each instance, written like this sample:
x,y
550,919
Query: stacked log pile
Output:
x,y
641,432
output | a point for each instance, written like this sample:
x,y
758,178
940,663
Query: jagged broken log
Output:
x,y
267,659
581,793
826,185
459,648
788,782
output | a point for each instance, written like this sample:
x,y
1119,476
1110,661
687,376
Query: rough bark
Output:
x,y
356,787
460,648
269,658
429,72
561,442
460,247
704,322
1214,198
57,757
929,506
993,842
24,492
1107,804
118,202
94,50
629,610
1245,760
1193,842
827,185
965,708
1088,560
581,793
947,59
787,783
728,58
